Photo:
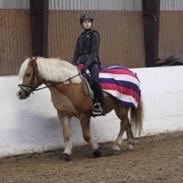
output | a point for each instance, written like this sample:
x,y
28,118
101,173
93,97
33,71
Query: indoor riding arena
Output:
x,y
145,36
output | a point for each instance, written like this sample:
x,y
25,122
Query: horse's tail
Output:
x,y
136,115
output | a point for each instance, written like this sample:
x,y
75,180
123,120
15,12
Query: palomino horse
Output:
x,y
69,96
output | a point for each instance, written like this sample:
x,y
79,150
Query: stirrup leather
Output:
x,y
97,109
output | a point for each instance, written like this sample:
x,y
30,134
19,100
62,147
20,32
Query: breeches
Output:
x,y
94,71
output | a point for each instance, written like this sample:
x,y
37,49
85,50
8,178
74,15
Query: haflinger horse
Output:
x,y
69,95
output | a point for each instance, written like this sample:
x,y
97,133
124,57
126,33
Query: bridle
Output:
x,y
47,86
32,89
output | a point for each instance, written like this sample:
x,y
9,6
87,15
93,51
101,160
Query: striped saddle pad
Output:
x,y
121,83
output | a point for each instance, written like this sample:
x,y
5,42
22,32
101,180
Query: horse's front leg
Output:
x,y
85,126
65,121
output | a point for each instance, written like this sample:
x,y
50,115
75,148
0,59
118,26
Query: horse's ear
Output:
x,y
32,62
26,56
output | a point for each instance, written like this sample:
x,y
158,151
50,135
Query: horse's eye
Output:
x,y
27,75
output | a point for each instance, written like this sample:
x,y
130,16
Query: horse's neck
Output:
x,y
71,90
68,97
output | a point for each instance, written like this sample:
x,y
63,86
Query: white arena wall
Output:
x,y
32,125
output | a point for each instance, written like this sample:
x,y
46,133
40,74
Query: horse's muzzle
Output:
x,y
23,94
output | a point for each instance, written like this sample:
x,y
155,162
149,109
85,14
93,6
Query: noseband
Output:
x,y
31,88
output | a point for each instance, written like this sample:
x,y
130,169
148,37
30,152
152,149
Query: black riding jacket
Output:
x,y
87,47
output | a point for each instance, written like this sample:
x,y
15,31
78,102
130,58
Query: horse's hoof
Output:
x,y
97,153
130,146
116,147
65,157
116,152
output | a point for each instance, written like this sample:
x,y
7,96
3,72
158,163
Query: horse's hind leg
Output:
x,y
118,142
122,113
65,121
130,136
85,126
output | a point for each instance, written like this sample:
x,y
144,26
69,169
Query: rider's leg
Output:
x,y
94,70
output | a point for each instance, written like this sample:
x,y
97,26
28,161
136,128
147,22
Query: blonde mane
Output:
x,y
54,69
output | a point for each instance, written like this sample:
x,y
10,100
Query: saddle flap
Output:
x,y
89,88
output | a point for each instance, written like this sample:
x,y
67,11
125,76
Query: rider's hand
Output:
x,y
83,70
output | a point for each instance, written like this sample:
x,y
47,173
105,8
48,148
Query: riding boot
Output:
x,y
98,107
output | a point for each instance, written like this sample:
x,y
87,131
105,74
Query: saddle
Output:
x,y
97,109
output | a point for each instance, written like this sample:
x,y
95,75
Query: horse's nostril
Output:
x,y
19,94
23,94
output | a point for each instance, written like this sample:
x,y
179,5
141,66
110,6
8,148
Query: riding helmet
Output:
x,y
86,17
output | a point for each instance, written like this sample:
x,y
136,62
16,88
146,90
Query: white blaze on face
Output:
x,y
22,70
21,94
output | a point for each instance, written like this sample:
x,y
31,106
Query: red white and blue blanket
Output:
x,y
121,83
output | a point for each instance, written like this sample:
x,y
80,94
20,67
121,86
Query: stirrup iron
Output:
x,y
97,109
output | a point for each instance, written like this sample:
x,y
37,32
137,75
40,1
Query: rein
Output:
x,y
47,86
